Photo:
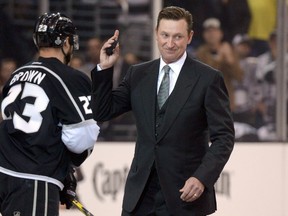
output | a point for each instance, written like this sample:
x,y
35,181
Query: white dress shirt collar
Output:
x,y
175,66
174,72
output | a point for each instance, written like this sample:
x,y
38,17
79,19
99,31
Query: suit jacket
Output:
x,y
198,113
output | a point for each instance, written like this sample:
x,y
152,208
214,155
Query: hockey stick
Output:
x,y
81,207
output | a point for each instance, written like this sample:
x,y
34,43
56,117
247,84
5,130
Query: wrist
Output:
x,y
103,66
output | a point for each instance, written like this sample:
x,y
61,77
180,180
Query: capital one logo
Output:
x,y
107,183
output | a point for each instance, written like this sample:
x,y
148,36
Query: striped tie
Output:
x,y
164,87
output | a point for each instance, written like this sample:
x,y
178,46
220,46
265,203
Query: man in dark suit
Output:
x,y
183,145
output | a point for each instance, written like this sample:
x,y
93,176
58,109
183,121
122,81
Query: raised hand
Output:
x,y
107,60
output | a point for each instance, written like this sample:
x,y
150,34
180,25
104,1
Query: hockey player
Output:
x,y
47,124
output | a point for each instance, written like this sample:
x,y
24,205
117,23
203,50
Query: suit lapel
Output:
x,y
184,85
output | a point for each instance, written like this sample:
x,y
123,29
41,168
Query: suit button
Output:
x,y
156,134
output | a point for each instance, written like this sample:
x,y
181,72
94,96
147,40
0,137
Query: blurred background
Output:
x,y
245,39
252,33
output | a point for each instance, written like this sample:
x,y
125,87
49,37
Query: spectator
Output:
x,y
265,73
263,22
93,47
109,11
247,92
242,46
219,54
124,63
136,28
12,42
7,66
77,61
235,17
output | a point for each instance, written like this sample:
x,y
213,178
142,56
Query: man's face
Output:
x,y
172,39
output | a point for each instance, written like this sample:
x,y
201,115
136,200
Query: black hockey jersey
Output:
x,y
47,115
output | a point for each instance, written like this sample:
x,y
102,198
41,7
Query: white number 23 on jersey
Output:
x,y
33,111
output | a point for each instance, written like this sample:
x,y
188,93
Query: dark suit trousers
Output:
x,y
152,202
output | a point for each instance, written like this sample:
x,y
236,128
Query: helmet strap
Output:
x,y
67,56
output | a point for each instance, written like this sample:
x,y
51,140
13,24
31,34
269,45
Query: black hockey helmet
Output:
x,y
52,29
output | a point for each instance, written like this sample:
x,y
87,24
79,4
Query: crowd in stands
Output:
x,y
236,37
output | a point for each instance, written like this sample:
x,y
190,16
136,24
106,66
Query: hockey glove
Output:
x,y
69,191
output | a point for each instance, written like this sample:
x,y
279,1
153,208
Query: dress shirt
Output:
x,y
175,69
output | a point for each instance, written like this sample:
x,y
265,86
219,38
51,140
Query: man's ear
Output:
x,y
66,43
190,36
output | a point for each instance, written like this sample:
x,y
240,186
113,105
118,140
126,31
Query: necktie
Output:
x,y
164,87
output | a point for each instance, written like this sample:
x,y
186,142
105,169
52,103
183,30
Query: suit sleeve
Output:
x,y
221,130
108,103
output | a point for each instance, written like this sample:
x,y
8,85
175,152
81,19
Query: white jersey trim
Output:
x,y
62,83
77,143
32,176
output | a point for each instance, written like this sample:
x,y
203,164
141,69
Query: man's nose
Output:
x,y
170,42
